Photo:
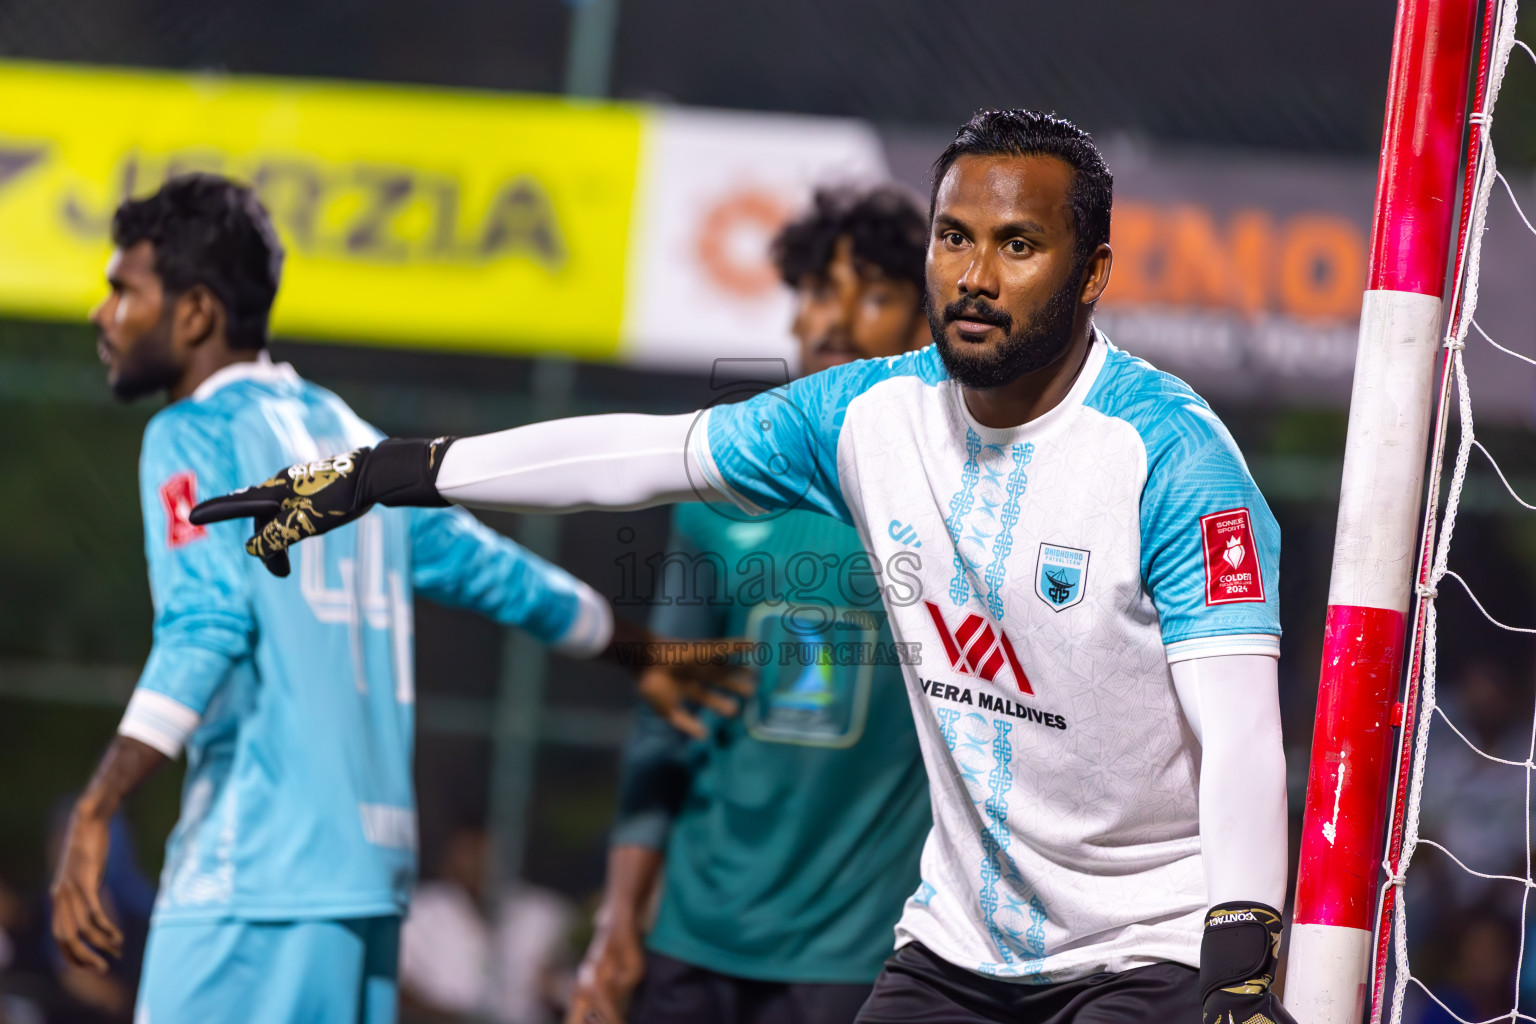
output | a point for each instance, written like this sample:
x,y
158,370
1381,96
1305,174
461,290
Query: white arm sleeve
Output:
x,y
1233,705
619,461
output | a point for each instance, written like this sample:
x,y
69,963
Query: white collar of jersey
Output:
x,y
1098,351
260,368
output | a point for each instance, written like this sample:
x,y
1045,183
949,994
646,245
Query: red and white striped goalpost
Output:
x,y
1377,548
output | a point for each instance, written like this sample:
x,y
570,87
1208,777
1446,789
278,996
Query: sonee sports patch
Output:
x,y
1231,558
178,495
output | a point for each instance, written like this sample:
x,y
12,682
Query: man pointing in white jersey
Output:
x,y
1075,543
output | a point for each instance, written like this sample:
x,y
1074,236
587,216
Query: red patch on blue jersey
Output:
x,y
178,495
1231,558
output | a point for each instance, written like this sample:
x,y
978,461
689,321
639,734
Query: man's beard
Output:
x,y
148,366
1031,347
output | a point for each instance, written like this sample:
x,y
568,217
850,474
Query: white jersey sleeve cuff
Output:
x,y
1221,646
158,721
592,629
704,459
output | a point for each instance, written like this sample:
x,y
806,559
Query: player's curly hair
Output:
x,y
885,225
210,231
1031,133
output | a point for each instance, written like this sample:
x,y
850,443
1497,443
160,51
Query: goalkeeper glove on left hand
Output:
x,y
316,497
1237,966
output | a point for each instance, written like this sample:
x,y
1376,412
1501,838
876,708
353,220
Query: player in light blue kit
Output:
x,y
292,864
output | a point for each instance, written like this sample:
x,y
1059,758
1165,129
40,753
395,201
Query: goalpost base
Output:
x,y
1319,954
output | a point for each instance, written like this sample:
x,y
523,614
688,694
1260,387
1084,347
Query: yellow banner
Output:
x,y
421,216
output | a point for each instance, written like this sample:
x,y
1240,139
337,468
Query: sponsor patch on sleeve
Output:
x,y
178,495
1231,558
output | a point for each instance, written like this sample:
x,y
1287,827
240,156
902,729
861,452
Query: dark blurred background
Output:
x,y
1206,110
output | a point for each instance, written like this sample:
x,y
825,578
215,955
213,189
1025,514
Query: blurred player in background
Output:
x,y
294,857
788,837
1097,701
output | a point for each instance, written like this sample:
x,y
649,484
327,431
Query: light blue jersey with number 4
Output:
x,y
298,692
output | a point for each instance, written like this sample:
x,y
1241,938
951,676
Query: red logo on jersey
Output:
x,y
178,495
978,648
1231,558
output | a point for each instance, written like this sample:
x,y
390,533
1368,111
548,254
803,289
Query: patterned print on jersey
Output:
x,y
1018,480
1004,914
983,512
994,842
960,504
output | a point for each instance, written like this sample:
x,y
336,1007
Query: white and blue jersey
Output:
x,y
1049,574
294,696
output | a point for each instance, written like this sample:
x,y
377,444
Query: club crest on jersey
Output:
x,y
1232,573
178,495
979,648
1061,575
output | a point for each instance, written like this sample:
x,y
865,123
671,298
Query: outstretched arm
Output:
x,y
614,462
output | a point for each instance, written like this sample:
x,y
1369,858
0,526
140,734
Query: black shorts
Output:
x,y
917,987
674,992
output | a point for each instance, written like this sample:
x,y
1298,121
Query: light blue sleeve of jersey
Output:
x,y
1195,470
778,450
458,560
198,576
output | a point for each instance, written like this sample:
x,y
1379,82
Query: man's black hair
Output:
x,y
210,231
1031,133
885,225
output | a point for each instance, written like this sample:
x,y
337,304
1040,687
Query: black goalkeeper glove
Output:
x,y
316,497
1237,966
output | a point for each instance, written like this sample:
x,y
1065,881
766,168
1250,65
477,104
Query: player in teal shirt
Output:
x,y
787,839
293,860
